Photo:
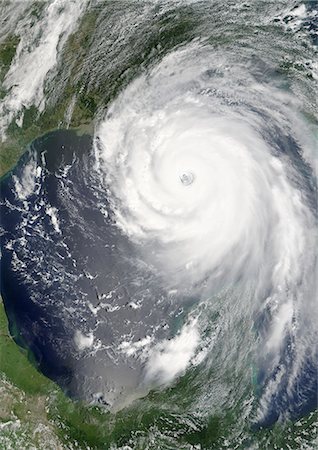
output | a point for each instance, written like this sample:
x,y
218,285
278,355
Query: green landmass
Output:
x,y
24,420
86,98
7,51
36,123
36,414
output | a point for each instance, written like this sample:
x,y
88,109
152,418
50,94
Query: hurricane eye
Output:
x,y
187,178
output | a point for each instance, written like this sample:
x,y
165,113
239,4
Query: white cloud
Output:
x,y
170,358
83,341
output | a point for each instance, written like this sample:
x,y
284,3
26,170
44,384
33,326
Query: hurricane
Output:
x,y
207,174
163,264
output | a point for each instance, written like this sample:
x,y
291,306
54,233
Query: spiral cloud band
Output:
x,y
208,170
158,222
177,247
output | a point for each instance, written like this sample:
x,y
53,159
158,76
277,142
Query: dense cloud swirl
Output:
x,y
158,223
179,242
209,169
